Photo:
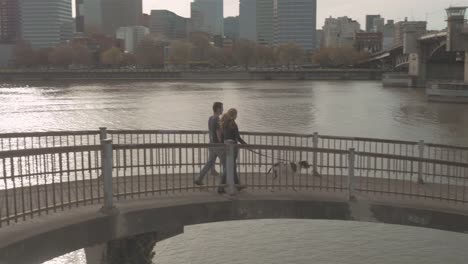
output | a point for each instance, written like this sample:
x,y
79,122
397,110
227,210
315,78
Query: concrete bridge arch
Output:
x,y
151,220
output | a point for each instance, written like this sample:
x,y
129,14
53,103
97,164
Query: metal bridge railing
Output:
x,y
36,182
160,169
421,149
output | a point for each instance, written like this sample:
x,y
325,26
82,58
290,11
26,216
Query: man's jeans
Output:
x,y
214,153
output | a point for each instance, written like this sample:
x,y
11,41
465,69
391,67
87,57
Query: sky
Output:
x,y
357,9
433,10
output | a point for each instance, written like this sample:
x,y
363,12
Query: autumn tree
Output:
x,y
201,47
244,52
228,57
216,57
265,55
129,59
221,57
61,56
82,55
112,57
91,30
290,54
181,53
323,57
339,56
41,57
24,54
343,56
150,53
362,56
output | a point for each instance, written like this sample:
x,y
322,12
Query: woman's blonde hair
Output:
x,y
228,118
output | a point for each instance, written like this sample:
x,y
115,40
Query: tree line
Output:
x,y
154,53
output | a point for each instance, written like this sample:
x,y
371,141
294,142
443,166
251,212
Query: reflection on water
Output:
x,y
339,108
305,242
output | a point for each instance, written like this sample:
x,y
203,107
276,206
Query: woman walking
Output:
x,y
231,135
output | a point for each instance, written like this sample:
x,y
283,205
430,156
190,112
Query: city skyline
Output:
x,y
397,9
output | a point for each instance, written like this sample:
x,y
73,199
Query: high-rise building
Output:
x,y
79,16
296,22
318,38
378,24
389,28
339,32
266,22
6,54
388,34
106,16
41,28
231,27
420,27
9,21
248,19
120,13
257,21
270,22
132,36
89,16
208,16
145,20
370,22
168,24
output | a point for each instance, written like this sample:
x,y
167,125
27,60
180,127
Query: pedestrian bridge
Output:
x,y
63,191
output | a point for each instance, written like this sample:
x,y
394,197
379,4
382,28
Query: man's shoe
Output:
x,y
221,190
241,187
198,182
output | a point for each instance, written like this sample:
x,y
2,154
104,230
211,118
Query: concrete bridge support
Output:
x,y
417,58
418,68
133,250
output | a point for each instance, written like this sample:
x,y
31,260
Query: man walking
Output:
x,y
215,138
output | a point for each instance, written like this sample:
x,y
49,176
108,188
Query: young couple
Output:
x,y
222,129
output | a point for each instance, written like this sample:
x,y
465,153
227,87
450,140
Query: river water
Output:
x,y
338,108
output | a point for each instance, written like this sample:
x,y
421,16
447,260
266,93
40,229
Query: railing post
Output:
x,y
107,167
351,160
421,146
102,133
230,168
315,142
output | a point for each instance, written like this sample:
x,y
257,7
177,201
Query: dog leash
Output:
x,y
267,156
315,173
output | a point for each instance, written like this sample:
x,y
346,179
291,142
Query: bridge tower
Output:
x,y
455,29
457,34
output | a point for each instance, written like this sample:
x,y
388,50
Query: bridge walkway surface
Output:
x,y
34,201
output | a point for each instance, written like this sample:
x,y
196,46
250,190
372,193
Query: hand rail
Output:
x,y
47,180
23,135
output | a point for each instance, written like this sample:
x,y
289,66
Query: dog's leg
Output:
x,y
317,174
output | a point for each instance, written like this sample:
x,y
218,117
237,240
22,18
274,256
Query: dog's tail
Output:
x,y
272,169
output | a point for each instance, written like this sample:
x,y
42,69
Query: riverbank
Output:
x,y
173,75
